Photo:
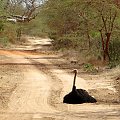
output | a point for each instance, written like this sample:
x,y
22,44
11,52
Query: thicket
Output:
x,y
18,18
9,33
8,30
93,26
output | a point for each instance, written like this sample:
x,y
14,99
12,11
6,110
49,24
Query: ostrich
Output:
x,y
78,96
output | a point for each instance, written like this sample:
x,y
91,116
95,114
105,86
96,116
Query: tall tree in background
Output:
x,y
107,13
23,10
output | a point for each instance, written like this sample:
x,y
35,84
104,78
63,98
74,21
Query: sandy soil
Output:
x,y
33,82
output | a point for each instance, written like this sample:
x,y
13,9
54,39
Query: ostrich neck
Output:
x,y
74,79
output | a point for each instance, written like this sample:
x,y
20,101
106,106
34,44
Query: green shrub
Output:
x,y
63,43
1,26
52,35
66,41
114,52
4,41
89,68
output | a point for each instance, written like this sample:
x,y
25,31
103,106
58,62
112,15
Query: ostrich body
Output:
x,y
78,96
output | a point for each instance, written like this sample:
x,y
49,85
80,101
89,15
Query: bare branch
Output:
x,y
112,22
104,22
28,12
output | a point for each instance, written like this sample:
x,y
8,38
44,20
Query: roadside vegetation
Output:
x,y
92,28
19,18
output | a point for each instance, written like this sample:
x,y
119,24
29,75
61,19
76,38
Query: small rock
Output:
x,y
118,78
74,61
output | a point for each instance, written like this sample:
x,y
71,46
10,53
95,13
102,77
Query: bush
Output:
x,y
1,26
66,41
89,68
114,51
63,43
4,41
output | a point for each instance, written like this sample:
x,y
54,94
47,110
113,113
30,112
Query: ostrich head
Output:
x,y
75,71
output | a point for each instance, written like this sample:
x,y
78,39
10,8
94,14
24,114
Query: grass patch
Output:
x,y
4,42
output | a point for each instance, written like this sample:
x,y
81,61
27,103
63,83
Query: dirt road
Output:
x,y
41,86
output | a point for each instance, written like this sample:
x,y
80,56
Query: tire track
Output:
x,y
55,98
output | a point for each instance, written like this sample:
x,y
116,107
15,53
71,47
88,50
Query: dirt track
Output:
x,y
40,86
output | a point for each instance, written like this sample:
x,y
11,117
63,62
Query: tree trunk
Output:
x,y
88,34
89,42
19,33
106,56
103,45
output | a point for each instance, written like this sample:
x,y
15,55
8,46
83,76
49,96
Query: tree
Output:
x,y
107,13
83,18
22,10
